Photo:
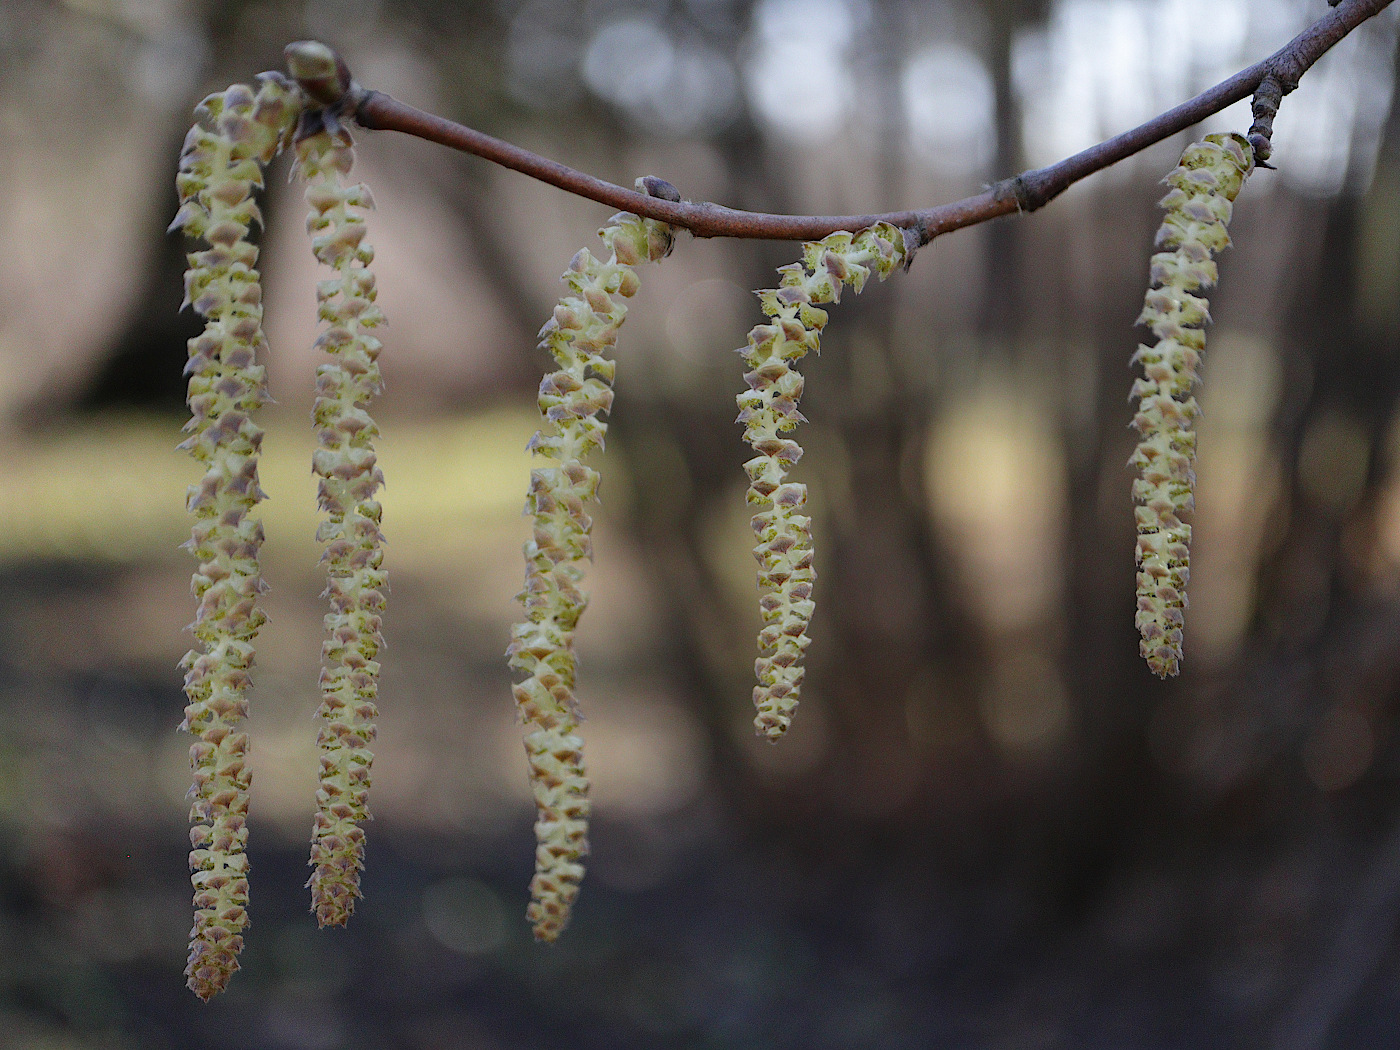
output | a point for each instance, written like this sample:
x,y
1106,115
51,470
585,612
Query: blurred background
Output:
x,y
990,826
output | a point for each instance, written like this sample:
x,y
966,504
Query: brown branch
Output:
x,y
1021,193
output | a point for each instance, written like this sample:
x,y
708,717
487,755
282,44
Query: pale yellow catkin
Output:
x,y
346,464
580,335
238,132
768,409
1199,206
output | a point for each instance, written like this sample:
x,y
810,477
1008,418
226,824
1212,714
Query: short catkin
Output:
x,y
579,336
768,409
1203,188
238,131
350,478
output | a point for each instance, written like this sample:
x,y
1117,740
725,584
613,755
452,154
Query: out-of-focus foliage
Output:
x,y
989,826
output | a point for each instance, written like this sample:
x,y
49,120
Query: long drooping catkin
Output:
x,y
1199,206
238,131
579,336
768,409
349,476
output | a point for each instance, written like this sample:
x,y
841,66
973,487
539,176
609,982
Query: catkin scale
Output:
x,y
582,330
1199,206
239,130
768,410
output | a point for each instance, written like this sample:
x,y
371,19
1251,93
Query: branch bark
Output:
x,y
1021,193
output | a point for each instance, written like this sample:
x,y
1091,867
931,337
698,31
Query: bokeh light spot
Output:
x,y
465,916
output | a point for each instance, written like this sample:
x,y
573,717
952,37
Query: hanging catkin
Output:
x,y
350,478
579,336
238,131
768,409
1204,185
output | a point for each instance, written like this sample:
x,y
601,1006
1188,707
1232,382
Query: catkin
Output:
x,y
238,131
1199,205
350,478
579,336
768,409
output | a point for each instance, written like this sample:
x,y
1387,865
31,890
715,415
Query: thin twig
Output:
x,y
1021,193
